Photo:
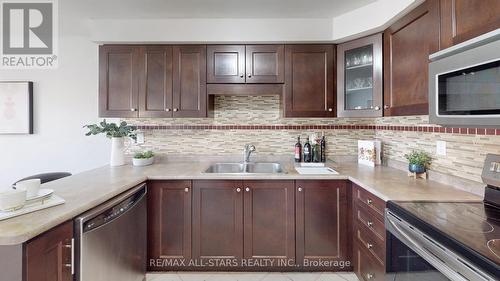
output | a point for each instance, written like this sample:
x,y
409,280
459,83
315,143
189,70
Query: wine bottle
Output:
x,y
323,148
298,151
307,151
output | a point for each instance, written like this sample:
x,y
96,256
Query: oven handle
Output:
x,y
431,251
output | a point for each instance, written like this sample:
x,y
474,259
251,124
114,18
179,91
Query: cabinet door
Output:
x,y
155,94
189,81
226,64
48,256
118,81
269,219
462,20
407,45
265,63
309,81
217,219
359,77
169,220
321,221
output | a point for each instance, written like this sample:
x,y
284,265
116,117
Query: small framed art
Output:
x,y
16,107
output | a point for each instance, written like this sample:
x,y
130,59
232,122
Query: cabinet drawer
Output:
x,y
368,269
370,242
374,204
376,226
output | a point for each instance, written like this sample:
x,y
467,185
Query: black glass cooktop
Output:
x,y
471,229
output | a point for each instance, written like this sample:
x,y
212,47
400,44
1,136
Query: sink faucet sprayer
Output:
x,y
249,148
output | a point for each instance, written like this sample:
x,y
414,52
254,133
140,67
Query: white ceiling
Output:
x,y
154,9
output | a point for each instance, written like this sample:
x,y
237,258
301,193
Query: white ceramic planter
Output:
x,y
117,152
143,162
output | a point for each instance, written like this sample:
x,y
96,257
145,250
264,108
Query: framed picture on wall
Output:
x,y
16,107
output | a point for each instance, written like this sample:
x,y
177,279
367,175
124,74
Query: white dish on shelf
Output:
x,y
12,199
316,171
42,194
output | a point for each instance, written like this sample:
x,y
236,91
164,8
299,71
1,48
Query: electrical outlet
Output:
x,y
441,148
140,138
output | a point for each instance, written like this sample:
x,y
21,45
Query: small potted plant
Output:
x,y
116,133
143,158
418,161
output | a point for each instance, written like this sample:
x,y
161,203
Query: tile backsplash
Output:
x,y
258,120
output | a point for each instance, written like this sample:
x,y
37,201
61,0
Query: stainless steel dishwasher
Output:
x,y
111,239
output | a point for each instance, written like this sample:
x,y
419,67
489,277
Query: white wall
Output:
x,y
64,100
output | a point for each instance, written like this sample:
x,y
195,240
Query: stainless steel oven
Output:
x,y
464,83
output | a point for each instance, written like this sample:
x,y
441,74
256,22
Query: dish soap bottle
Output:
x,y
322,144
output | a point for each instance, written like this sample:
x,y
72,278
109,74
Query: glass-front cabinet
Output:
x,y
359,77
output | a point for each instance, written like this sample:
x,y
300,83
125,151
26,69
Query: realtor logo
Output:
x,y
29,34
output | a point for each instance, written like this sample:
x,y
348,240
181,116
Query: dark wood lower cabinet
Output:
x,y
217,219
48,256
254,225
269,220
367,268
321,224
169,222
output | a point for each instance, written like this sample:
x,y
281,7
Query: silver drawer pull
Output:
x,y
72,263
370,276
186,189
369,201
300,189
370,223
238,189
369,246
247,189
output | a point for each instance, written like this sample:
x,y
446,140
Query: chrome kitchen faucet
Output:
x,y
249,148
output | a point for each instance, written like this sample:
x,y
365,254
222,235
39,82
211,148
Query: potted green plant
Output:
x,y
116,133
143,158
418,161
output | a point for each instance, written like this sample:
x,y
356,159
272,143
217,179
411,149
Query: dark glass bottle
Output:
x,y
307,151
298,151
322,144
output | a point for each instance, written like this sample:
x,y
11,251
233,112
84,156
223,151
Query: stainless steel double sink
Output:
x,y
245,168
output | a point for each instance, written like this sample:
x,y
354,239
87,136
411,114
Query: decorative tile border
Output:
x,y
424,129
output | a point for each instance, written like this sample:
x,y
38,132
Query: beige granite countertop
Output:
x,y
88,189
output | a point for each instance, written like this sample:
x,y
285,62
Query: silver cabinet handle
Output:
x,y
242,75
167,109
247,189
386,106
186,189
377,107
238,189
369,201
330,109
133,109
249,75
300,189
369,276
369,223
72,263
369,246
176,109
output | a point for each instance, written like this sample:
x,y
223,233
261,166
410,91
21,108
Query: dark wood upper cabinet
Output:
x,y
155,94
407,45
462,20
269,219
189,81
226,64
169,220
265,63
309,81
321,220
118,81
359,77
48,256
217,219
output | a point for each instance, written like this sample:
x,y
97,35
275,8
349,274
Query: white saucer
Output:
x,y
42,193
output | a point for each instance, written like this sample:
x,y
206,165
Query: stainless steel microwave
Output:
x,y
464,83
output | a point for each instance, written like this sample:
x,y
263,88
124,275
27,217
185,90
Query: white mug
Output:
x,y
31,186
